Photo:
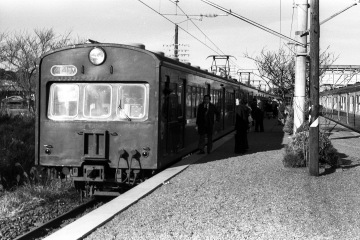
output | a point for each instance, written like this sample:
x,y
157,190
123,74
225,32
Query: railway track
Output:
x,y
51,227
64,219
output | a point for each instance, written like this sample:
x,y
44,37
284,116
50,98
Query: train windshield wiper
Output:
x,y
121,109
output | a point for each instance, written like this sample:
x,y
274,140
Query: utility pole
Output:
x,y
314,88
300,64
176,47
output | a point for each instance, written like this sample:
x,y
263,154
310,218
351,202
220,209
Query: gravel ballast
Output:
x,y
250,196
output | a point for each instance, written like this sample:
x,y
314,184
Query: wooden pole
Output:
x,y
314,88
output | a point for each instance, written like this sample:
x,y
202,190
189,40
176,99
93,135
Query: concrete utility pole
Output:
x,y
300,65
314,88
176,47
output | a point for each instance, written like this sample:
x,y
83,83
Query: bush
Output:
x,y
297,151
327,153
17,151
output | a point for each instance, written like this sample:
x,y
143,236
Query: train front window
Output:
x,y
64,101
131,101
97,99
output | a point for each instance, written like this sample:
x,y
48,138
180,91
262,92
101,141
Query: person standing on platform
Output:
x,y
241,127
259,118
205,122
253,109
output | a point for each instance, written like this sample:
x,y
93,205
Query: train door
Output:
x,y
217,97
181,114
230,107
221,106
172,122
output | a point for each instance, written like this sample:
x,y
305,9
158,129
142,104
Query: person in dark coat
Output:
x,y
205,122
253,106
241,127
259,118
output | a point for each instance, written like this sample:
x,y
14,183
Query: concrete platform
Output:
x,y
86,224
228,196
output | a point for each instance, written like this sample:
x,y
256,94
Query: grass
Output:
x,y
29,196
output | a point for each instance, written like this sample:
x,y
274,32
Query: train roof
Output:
x,y
164,59
135,46
341,90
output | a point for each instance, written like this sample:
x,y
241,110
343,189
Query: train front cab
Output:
x,y
97,122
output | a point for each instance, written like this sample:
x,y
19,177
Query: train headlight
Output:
x,y
97,56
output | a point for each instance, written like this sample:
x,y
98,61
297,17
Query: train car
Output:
x,y
342,105
111,115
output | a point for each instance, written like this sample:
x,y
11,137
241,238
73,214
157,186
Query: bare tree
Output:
x,y
277,69
19,53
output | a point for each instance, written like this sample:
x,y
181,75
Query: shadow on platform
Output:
x,y
344,164
273,138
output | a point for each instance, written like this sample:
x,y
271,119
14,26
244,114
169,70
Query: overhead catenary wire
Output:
x,y
206,37
179,27
190,33
253,23
233,63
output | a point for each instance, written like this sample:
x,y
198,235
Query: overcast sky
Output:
x,y
130,21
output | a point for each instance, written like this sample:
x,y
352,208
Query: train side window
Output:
x,y
193,101
342,104
64,101
351,105
220,100
202,94
132,103
97,100
188,102
180,97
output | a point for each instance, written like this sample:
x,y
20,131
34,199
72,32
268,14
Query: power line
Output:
x,y
191,34
253,23
234,63
198,27
179,27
